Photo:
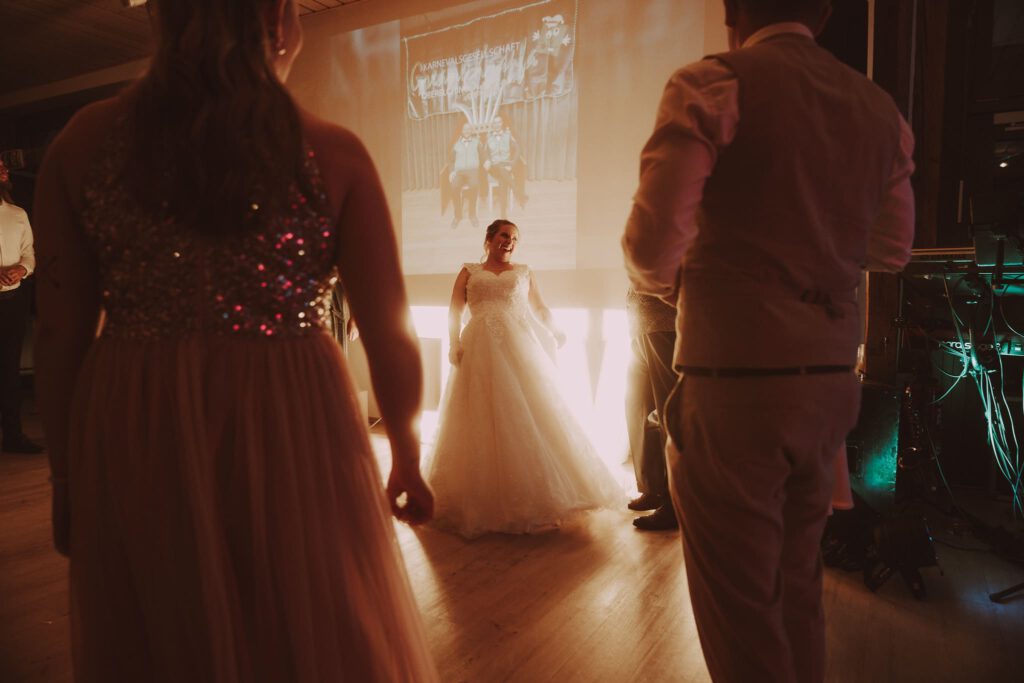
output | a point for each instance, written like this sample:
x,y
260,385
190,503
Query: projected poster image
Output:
x,y
490,132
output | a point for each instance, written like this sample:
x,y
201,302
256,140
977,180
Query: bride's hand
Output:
x,y
560,338
455,354
418,506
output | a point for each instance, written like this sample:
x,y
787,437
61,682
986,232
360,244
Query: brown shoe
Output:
x,y
662,519
645,501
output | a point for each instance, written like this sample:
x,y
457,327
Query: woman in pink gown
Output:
x,y
214,485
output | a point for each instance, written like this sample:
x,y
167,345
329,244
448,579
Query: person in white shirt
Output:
x,y
774,176
16,262
465,166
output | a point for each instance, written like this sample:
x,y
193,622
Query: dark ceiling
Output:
x,y
44,41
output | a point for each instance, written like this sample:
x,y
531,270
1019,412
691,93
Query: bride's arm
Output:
x,y
455,310
543,313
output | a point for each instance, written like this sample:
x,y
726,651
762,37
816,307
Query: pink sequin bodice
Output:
x,y
161,280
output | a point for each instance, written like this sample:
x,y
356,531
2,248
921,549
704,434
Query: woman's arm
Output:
x,y
69,305
543,313
455,309
369,266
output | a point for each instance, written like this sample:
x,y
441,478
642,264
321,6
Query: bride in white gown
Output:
x,y
509,456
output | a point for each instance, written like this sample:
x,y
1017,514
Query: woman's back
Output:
x,y
226,513
160,278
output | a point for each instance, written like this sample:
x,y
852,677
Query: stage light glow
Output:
x,y
591,371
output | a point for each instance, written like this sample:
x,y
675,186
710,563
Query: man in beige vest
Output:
x,y
774,176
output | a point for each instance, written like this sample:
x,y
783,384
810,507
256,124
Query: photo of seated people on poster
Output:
x,y
490,131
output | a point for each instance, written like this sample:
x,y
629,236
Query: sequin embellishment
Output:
x,y
162,280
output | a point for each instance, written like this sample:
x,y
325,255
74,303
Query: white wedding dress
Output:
x,y
509,455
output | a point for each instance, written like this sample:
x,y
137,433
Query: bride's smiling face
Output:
x,y
501,246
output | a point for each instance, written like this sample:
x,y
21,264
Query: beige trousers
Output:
x,y
751,469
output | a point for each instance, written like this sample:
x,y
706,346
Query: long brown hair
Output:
x,y
5,185
215,137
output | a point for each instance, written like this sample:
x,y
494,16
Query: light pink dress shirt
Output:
x,y
700,106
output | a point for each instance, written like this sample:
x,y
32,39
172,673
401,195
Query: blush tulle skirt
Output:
x,y
228,519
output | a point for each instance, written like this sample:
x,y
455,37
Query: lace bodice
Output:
x,y
159,279
496,295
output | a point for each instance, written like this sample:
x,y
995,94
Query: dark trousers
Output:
x,y
751,468
467,188
503,174
648,384
13,322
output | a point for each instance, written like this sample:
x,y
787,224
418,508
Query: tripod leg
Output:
x,y
875,574
1001,596
915,582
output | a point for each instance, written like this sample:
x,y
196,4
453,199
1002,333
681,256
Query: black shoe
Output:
x,y
662,519
645,501
21,444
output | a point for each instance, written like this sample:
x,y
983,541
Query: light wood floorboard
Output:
x,y
595,601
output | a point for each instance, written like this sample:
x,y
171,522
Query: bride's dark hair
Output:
x,y
215,137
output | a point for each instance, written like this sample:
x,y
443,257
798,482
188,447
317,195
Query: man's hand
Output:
x,y
12,275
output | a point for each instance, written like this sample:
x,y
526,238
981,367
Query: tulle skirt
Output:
x,y
510,456
228,519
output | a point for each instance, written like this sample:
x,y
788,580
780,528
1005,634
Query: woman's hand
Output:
x,y
455,354
418,504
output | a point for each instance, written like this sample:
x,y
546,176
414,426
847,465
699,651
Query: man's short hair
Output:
x,y
768,11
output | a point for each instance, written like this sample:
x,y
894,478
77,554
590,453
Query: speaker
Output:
x,y
872,448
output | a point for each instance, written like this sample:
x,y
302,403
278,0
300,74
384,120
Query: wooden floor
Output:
x,y
596,602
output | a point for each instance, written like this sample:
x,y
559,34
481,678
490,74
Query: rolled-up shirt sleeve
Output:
x,y
892,236
697,118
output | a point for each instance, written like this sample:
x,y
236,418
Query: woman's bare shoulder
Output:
x,y
93,123
342,159
333,144
76,147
